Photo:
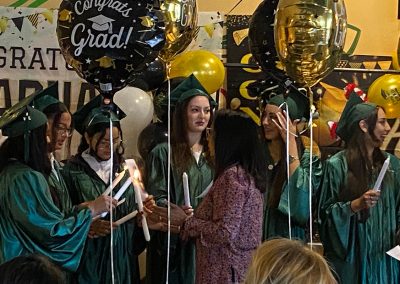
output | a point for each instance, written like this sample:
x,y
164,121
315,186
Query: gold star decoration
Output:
x,y
129,67
48,15
75,63
3,24
106,62
64,15
210,28
147,21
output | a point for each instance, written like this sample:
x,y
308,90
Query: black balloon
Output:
x,y
150,77
261,36
152,135
104,41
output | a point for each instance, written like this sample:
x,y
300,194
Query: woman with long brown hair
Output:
x,y
190,154
358,223
277,207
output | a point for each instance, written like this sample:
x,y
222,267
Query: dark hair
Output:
x,y
237,141
276,180
181,154
101,128
31,269
360,168
38,159
54,112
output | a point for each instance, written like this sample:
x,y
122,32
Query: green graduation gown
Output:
x,y
85,185
182,254
276,223
31,223
56,182
357,250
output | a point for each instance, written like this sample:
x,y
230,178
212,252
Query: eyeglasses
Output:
x,y
106,143
61,130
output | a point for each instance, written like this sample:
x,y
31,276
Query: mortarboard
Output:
x,y
101,23
189,88
46,97
95,113
20,119
354,111
298,104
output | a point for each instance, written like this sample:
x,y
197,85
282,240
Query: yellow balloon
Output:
x,y
385,92
309,37
205,65
180,17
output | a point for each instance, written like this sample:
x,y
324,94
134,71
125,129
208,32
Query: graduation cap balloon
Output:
x,y
104,41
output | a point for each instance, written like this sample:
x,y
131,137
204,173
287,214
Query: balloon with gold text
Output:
x,y
385,92
180,17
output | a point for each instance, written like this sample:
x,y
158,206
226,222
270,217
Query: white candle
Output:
x,y
135,177
186,193
377,186
126,218
114,183
120,192
139,202
123,188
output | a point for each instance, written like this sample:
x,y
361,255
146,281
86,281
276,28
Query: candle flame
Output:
x,y
136,175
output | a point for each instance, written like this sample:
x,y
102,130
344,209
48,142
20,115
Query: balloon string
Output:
x,y
234,7
111,211
310,187
169,172
287,168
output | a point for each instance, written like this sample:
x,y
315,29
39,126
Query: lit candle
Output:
x,y
126,218
135,177
139,202
186,193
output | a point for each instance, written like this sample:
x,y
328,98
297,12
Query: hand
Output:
x,y
367,200
281,124
149,203
155,223
100,228
188,210
159,215
100,204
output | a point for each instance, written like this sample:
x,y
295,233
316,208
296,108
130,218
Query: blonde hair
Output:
x,y
286,261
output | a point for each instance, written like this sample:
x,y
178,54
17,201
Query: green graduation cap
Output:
x,y
46,97
354,111
189,88
20,119
94,114
298,104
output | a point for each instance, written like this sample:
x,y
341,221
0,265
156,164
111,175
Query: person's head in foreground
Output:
x,y
284,261
31,269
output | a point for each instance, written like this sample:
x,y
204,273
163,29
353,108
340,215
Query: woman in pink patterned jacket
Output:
x,y
227,225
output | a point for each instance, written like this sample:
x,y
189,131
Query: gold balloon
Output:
x,y
309,37
205,65
180,18
385,92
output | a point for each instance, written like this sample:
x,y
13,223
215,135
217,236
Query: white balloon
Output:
x,y
139,109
